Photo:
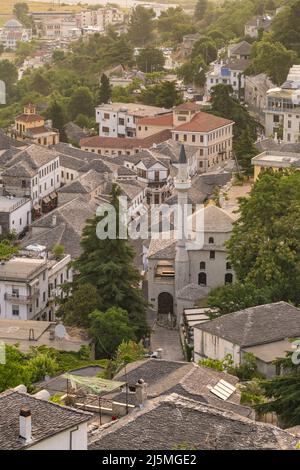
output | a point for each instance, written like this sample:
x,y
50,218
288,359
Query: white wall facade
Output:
x,y
72,439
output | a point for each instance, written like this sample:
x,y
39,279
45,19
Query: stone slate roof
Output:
x,y
270,144
7,142
185,378
171,149
216,220
166,422
193,292
150,158
162,249
70,220
96,164
28,161
131,188
74,132
48,419
256,325
241,48
202,187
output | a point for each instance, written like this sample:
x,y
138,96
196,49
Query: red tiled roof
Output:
x,y
39,130
29,117
188,106
163,120
203,122
125,143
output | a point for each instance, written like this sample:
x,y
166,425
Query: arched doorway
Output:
x,y
165,303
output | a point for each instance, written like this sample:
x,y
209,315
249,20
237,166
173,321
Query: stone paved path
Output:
x,y
169,341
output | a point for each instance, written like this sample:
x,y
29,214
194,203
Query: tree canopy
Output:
x,y
264,248
141,26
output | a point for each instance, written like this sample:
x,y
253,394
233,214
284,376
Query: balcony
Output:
x,y
21,299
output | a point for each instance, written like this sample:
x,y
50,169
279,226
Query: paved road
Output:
x,y
167,340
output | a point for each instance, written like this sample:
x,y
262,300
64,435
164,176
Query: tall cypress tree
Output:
x,y
109,265
105,89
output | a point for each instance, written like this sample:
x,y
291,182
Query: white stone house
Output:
x,y
120,119
263,331
29,284
31,422
15,214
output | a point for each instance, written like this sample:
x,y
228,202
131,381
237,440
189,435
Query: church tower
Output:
x,y
182,184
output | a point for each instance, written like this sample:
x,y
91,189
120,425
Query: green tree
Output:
x,y
206,48
13,372
193,71
150,60
237,296
273,59
264,247
108,264
109,329
81,102
245,150
105,89
245,129
283,393
41,84
41,365
141,26
200,9
24,50
56,113
173,24
21,11
286,27
74,309
9,75
7,250
164,94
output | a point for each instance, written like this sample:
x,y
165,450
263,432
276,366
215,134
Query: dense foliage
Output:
x,y
264,248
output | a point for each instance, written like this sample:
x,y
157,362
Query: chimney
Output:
x,y
159,353
140,393
25,423
53,220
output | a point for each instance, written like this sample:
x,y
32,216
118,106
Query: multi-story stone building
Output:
x,y
210,135
119,119
34,173
282,112
30,283
14,32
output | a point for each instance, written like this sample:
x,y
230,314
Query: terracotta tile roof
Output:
x,y
188,106
125,143
203,122
164,120
29,117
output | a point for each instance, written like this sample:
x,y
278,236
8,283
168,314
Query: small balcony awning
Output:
x,y
53,195
36,206
46,200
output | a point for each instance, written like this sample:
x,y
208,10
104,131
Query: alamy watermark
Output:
x,y
178,222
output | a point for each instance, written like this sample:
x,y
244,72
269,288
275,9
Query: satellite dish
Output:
x,y
60,331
